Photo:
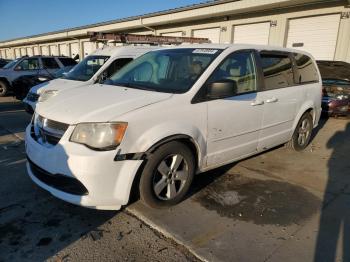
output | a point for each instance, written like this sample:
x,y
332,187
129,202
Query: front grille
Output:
x,y
32,97
46,131
61,182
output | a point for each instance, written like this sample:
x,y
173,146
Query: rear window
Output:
x,y
306,70
66,61
278,71
50,63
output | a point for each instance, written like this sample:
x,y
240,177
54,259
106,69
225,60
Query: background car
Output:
x,y
336,87
34,65
23,84
3,62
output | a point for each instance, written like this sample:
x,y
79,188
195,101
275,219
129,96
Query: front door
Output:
x,y
234,123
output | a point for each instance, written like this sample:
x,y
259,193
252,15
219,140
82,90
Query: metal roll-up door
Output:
x,y
63,49
317,35
44,50
74,49
258,34
213,34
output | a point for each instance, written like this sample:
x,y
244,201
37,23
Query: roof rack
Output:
x,y
143,39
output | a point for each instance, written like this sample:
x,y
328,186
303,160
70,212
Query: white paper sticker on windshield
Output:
x,y
204,51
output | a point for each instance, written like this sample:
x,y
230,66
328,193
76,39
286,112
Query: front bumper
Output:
x,y
107,182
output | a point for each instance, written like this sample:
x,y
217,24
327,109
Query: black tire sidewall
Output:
x,y
146,182
4,87
295,143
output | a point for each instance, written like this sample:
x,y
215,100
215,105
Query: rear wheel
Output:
x,y
167,175
302,133
3,88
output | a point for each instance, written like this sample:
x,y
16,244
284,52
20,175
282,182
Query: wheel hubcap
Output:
x,y
170,177
304,132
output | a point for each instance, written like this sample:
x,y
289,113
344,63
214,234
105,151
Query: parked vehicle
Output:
x,y
3,62
95,68
168,115
336,87
34,65
22,84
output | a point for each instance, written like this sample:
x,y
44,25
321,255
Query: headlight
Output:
x,y
47,94
99,136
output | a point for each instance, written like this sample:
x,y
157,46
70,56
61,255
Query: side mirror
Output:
x,y
18,68
222,89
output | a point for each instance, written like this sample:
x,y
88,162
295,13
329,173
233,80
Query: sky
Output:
x,y
20,18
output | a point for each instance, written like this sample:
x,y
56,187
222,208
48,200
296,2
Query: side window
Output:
x,y
240,68
278,71
49,63
116,65
306,69
66,61
28,64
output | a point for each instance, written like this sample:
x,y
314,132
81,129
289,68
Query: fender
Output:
x,y
148,141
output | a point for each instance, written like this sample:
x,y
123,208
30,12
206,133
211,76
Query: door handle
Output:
x,y
257,103
272,100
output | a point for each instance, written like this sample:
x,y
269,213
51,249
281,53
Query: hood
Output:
x,y
96,103
56,84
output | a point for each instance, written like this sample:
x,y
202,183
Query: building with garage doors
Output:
x,y
321,27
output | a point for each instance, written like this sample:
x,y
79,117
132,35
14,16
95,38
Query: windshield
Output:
x,y
59,73
170,71
86,68
11,64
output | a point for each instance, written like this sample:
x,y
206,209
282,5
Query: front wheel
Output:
x,y
302,133
167,175
3,88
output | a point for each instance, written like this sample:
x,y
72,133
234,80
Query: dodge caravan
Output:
x,y
168,115
94,68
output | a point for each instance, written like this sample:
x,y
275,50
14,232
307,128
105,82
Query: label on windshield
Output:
x,y
204,51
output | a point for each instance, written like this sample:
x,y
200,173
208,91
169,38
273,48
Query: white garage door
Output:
x,y
317,35
177,34
44,50
252,34
29,51
36,50
213,34
17,53
23,52
53,50
74,49
9,54
62,49
88,48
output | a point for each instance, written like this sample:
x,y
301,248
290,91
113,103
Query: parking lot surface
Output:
x,y
278,206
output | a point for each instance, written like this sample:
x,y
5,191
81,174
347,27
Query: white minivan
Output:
x,y
96,67
168,115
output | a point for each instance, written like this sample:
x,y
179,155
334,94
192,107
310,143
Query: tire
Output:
x,y
3,88
161,188
302,133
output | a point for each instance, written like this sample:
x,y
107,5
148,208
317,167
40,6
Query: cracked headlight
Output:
x,y
99,136
47,94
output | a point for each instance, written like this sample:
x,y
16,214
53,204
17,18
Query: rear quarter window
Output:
x,y
306,70
67,61
50,63
278,70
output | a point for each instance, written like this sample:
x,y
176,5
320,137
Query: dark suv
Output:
x,y
34,65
